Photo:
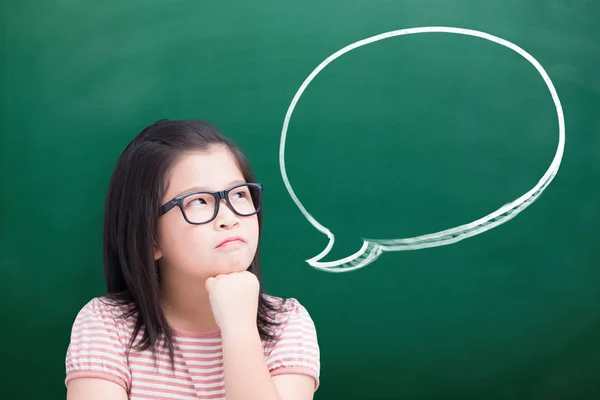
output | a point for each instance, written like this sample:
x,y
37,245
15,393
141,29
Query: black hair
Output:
x,y
130,226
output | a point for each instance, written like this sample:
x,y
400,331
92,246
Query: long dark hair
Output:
x,y
130,226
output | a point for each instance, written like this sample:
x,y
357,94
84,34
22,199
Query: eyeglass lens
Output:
x,y
200,207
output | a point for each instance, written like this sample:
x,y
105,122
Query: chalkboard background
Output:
x,y
402,137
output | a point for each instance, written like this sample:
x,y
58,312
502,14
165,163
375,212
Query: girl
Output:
x,y
185,315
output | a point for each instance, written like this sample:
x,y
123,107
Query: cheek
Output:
x,y
180,243
190,248
252,232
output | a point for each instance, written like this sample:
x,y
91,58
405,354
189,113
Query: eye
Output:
x,y
240,194
196,202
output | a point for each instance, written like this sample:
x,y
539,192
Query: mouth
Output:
x,y
231,241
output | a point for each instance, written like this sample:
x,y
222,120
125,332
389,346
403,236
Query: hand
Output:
x,y
234,300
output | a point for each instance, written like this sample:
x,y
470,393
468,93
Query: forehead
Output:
x,y
215,169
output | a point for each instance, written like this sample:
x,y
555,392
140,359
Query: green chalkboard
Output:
x,y
431,196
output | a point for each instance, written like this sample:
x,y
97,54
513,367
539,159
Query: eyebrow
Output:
x,y
204,188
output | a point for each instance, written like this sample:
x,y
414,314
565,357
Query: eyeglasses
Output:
x,y
202,207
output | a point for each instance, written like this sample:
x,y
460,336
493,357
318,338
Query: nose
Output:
x,y
226,218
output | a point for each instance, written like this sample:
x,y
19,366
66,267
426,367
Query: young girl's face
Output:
x,y
195,250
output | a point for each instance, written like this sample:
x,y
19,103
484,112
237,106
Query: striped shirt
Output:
x,y
100,336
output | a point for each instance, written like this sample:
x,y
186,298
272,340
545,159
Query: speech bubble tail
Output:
x,y
368,253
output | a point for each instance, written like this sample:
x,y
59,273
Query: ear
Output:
x,y
157,253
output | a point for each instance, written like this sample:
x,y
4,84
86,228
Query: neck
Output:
x,y
186,303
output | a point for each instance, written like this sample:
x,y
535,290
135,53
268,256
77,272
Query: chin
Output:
x,y
234,267
238,268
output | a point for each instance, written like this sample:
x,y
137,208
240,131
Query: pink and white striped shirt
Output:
x,y
98,349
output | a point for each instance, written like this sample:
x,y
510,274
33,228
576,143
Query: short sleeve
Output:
x,y
297,349
96,349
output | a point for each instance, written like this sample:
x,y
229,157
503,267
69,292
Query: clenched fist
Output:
x,y
234,300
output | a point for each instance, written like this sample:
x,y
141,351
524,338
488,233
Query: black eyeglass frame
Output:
x,y
219,195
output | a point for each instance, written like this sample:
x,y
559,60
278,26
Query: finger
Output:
x,y
209,283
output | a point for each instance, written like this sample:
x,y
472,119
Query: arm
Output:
x,y
247,376
94,389
287,369
96,365
246,373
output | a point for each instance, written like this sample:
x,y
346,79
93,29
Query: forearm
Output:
x,y
246,374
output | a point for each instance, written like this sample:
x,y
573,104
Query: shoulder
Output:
x,y
296,349
292,320
102,316
97,347
102,305
288,309
103,308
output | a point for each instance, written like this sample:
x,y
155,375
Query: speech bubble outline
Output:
x,y
373,248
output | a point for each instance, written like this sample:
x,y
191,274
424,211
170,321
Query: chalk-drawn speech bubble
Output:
x,y
373,248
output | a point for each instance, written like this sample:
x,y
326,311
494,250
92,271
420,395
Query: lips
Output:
x,y
231,240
